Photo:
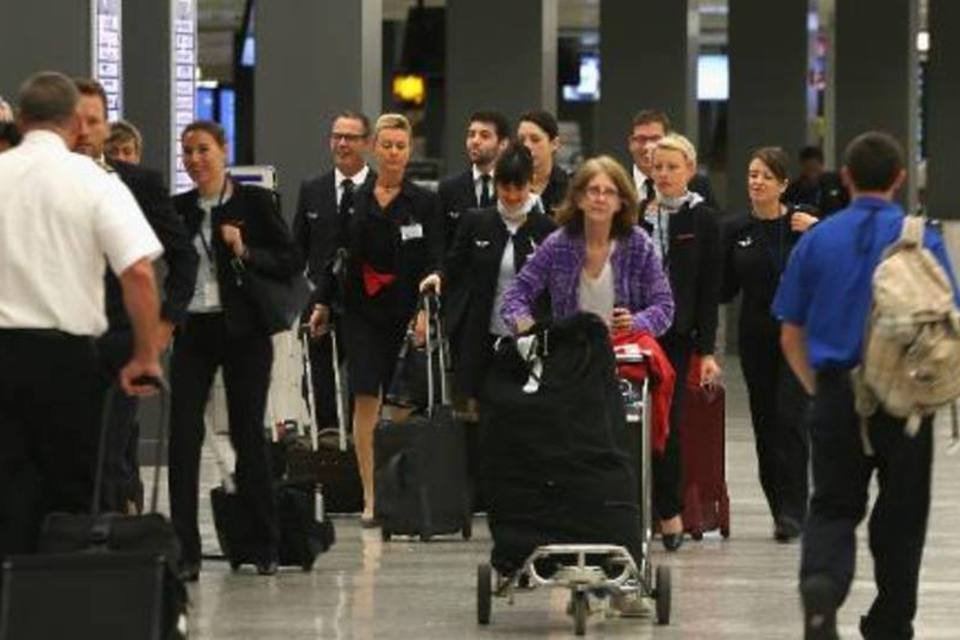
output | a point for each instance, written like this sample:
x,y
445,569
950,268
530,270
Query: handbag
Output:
x,y
278,301
410,384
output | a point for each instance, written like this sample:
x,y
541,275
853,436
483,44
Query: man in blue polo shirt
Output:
x,y
823,301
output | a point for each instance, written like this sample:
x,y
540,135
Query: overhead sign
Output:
x,y
107,53
183,63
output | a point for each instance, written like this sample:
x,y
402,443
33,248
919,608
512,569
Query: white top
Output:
x,y
597,295
640,181
478,185
60,216
206,292
358,179
504,279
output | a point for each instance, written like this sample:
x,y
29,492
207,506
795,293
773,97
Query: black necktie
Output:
x,y
651,190
485,199
346,199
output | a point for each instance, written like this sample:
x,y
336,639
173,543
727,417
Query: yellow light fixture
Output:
x,y
410,89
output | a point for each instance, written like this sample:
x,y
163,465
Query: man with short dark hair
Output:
x,y
488,134
815,186
123,490
646,129
823,301
324,208
62,220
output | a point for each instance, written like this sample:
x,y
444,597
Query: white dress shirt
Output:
x,y
358,179
62,220
640,181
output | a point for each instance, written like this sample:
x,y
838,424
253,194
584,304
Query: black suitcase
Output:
x,y
304,533
331,460
90,563
421,480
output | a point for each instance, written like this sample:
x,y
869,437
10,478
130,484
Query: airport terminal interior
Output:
x,y
733,75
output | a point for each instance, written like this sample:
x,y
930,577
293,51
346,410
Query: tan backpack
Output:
x,y
911,348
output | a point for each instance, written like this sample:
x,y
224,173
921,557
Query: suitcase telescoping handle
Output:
x,y
108,402
431,307
337,387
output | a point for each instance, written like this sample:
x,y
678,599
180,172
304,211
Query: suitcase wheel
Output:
x,y
467,531
234,566
307,567
696,534
385,534
425,537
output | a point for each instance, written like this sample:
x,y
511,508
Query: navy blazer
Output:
x,y
265,233
316,227
458,194
179,254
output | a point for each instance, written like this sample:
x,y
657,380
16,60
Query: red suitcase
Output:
x,y
703,445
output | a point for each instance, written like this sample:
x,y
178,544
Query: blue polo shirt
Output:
x,y
827,286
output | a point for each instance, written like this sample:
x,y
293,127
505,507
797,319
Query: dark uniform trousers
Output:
x,y
49,405
202,346
841,479
778,405
668,466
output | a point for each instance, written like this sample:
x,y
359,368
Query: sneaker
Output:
x,y
819,609
631,606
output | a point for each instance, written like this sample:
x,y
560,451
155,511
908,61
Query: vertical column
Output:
x,y
648,57
877,76
769,48
159,68
943,107
501,54
313,60
41,35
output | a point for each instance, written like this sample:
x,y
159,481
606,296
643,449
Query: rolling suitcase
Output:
x,y
703,443
90,563
304,530
421,481
331,460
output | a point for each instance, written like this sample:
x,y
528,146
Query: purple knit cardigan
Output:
x,y
639,281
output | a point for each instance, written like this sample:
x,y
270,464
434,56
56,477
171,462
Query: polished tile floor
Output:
x,y
744,587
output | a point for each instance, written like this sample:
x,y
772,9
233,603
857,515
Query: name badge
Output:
x,y
482,244
411,232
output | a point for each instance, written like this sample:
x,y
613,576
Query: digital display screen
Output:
x,y
588,89
713,77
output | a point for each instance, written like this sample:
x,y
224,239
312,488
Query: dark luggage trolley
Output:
x,y
599,570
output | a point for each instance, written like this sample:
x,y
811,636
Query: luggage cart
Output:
x,y
602,571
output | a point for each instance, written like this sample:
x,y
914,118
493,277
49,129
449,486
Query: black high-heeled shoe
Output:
x,y
672,541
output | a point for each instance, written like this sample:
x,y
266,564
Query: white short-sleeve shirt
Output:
x,y
63,219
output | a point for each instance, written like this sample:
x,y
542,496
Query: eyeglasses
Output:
x,y
645,140
598,192
346,137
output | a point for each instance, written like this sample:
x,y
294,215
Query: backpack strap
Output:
x,y
912,231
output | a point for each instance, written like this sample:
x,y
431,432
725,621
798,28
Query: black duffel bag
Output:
x,y
100,575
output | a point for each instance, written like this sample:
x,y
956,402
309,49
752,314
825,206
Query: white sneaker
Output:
x,y
631,606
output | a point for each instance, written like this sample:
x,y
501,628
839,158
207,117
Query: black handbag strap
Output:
x,y
430,304
106,416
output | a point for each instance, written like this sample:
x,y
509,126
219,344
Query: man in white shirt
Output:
x,y
62,220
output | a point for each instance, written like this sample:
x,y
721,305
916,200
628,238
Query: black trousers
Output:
x,y
668,466
778,406
200,348
48,431
841,479
121,473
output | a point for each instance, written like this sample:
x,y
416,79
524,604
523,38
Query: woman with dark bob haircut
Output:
x,y
491,246
757,244
598,261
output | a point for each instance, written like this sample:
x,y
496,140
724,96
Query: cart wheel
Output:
x,y
697,535
467,531
234,566
385,534
663,595
425,537
580,610
725,532
484,587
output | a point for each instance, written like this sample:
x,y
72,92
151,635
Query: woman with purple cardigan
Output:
x,y
599,261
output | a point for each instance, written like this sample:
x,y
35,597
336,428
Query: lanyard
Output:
x,y
207,248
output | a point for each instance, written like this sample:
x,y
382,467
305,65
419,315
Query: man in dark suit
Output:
x,y
323,209
815,186
122,488
488,133
646,129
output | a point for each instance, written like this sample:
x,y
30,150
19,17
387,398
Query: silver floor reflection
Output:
x,y
744,587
